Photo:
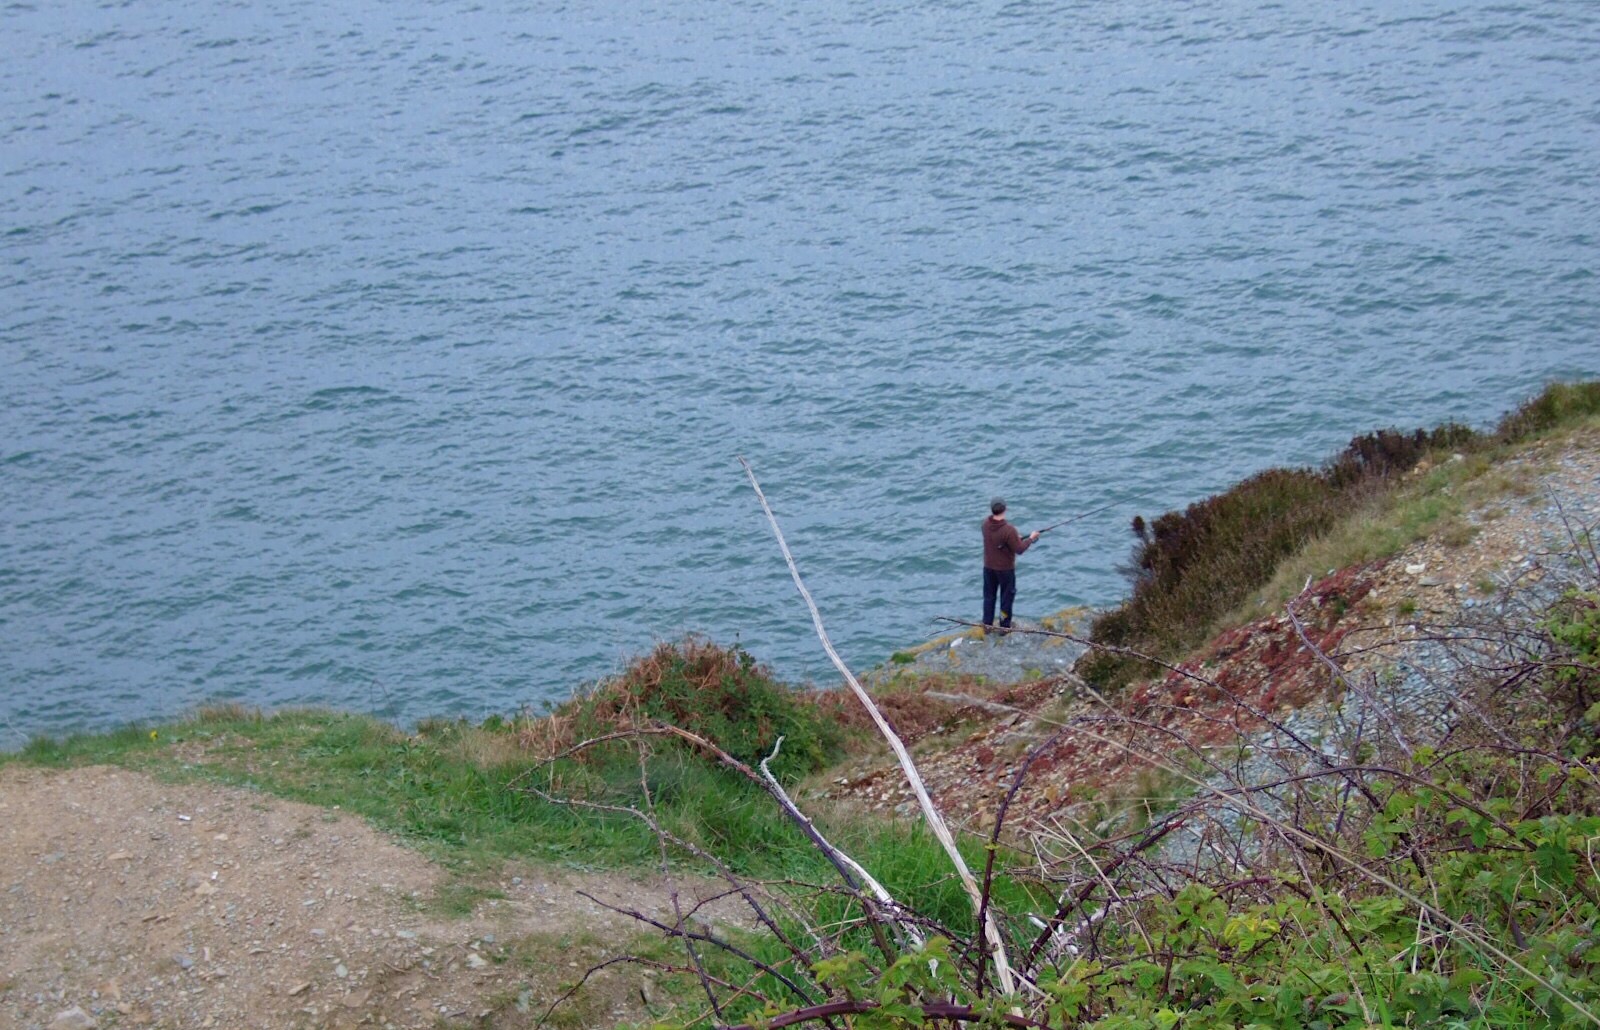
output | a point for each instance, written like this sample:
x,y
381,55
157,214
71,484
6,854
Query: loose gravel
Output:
x,y
127,901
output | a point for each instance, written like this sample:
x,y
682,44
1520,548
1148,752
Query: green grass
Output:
x,y
118,747
463,793
449,790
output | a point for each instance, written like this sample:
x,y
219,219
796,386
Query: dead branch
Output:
x,y
1338,673
834,854
705,937
672,887
930,814
740,886
665,967
931,1010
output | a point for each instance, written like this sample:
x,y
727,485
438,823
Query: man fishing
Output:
x,y
1001,545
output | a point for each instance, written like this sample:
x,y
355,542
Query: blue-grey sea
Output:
x,y
398,356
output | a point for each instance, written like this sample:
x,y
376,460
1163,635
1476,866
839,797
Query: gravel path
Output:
x,y
126,901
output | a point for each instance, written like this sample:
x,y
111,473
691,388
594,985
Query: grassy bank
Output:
x,y
469,794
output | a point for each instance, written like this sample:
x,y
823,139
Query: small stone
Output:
x,y
119,856
476,961
73,1019
1417,569
355,999
299,989
340,971
183,961
205,890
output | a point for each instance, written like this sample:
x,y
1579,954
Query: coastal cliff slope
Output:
x,y
317,869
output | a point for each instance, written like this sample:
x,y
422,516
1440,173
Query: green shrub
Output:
x,y
1574,628
719,693
1559,404
1505,938
1191,567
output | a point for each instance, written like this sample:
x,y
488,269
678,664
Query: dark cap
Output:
x,y
997,505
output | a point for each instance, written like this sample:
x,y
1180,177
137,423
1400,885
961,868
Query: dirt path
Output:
x,y
126,901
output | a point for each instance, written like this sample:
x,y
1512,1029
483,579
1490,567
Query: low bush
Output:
x,y
1388,453
1560,404
719,693
1189,569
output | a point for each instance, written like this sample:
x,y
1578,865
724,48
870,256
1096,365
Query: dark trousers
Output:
x,y
1005,585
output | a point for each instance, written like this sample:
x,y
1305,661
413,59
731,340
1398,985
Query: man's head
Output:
x,y
997,506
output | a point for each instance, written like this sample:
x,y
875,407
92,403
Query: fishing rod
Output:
x,y
1075,518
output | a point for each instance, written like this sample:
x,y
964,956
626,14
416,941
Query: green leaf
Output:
x,y
1556,863
909,1013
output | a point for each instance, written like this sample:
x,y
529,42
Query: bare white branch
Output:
x,y
930,814
867,879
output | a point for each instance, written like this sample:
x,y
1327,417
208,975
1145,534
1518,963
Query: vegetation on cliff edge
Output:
x,y
1189,570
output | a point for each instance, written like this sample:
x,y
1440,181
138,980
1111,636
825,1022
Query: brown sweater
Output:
x,y
1001,544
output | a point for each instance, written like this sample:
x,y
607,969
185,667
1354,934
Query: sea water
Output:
x,y
398,356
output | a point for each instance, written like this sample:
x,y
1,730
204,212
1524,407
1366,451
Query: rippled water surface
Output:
x,y
397,356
